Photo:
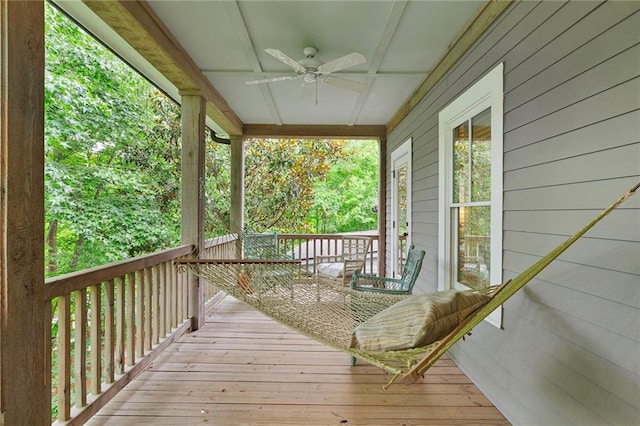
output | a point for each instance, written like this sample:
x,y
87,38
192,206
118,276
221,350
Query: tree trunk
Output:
x,y
52,245
76,254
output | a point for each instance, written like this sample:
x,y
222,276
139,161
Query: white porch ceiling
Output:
x,y
401,40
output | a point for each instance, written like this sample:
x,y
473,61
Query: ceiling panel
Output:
x,y
425,32
243,98
334,105
377,108
204,29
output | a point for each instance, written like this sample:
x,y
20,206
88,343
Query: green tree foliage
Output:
x,y
279,181
217,188
302,185
346,196
297,186
112,155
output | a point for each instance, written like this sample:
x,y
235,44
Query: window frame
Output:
x,y
488,92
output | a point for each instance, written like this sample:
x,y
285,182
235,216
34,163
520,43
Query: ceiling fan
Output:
x,y
310,70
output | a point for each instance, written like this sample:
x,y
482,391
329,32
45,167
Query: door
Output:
x,y
400,206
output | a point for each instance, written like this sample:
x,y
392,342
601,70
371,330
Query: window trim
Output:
x,y
485,93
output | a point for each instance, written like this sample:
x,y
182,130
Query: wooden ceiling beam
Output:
x,y
315,131
137,23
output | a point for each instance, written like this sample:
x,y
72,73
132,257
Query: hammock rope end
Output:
x,y
392,380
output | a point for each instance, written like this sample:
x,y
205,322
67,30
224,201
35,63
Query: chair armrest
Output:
x,y
375,284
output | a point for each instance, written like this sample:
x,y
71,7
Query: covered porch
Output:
x,y
126,315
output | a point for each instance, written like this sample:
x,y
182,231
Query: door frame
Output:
x,y
400,156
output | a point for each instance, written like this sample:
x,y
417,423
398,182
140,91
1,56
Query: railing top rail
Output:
x,y
74,281
215,241
236,261
324,236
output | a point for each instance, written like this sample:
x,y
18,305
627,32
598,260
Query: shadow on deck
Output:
x,y
243,368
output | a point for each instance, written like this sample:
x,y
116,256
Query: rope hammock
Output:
x,y
335,315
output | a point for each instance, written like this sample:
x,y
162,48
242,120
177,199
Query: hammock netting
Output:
x,y
328,312
321,309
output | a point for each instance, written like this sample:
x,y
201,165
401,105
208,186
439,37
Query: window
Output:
x,y
470,202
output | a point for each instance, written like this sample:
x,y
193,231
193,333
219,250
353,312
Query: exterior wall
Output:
x,y
569,350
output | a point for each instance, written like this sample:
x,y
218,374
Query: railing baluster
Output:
x,y
108,331
174,299
181,282
80,348
64,357
179,279
183,295
140,329
170,297
147,308
155,303
163,300
130,319
96,340
120,324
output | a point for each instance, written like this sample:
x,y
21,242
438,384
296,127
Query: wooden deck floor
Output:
x,y
242,368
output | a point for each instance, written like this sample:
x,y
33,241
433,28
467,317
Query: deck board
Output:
x,y
242,368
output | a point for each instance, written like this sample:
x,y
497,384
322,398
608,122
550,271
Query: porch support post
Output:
x,y
25,370
237,188
382,204
192,206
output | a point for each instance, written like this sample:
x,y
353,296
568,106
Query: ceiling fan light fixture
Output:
x,y
309,77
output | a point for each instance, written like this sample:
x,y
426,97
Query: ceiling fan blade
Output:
x,y
350,60
282,57
271,80
347,84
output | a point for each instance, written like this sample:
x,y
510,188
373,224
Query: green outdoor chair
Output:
x,y
402,285
260,246
267,276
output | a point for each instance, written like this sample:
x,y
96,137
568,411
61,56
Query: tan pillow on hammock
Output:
x,y
416,321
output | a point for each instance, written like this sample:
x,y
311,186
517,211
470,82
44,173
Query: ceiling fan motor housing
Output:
x,y
311,63
310,52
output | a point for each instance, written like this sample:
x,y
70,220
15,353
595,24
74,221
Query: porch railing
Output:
x,y
111,322
306,246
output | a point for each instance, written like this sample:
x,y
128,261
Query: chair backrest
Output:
x,y
411,268
260,246
354,255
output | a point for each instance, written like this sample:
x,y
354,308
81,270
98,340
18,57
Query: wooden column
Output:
x,y
237,186
25,369
382,204
193,151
